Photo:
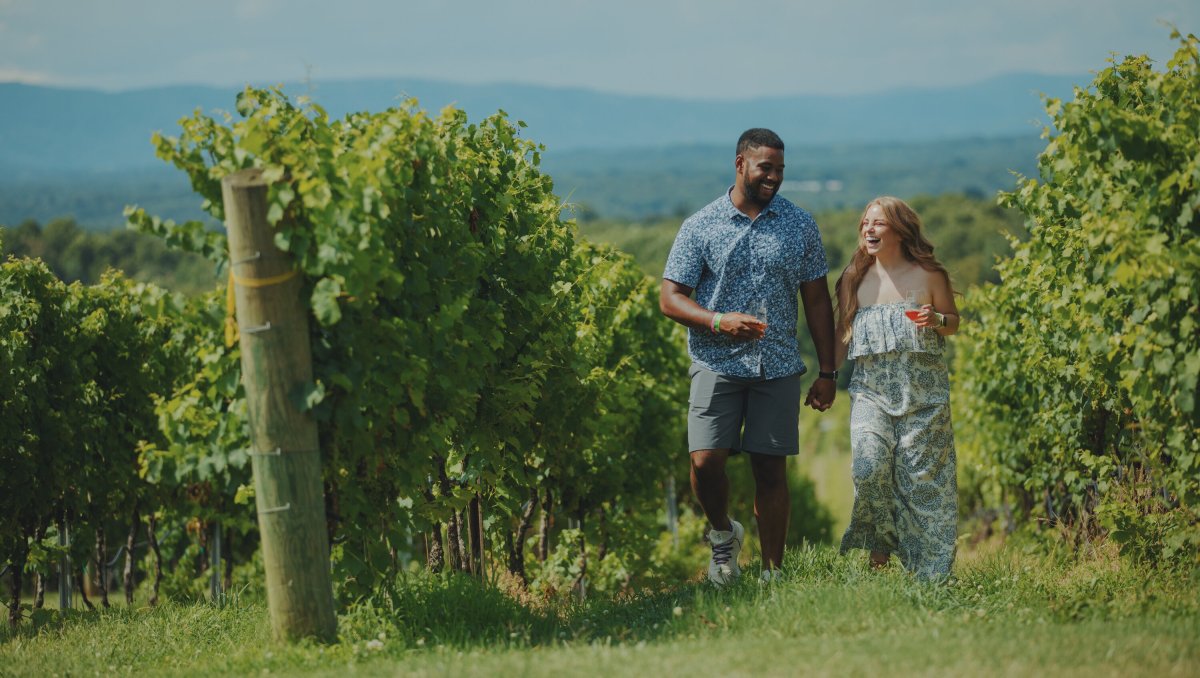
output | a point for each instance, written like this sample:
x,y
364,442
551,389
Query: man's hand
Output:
x,y
821,394
818,312
742,327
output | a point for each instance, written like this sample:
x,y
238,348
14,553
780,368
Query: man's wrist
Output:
x,y
832,374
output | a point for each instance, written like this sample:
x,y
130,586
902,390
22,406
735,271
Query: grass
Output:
x,y
1009,610
1022,608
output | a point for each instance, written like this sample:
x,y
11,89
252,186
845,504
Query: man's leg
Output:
x,y
710,483
771,435
772,506
717,406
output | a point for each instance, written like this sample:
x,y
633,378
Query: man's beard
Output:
x,y
751,191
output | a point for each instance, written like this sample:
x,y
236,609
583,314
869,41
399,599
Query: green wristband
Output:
x,y
716,323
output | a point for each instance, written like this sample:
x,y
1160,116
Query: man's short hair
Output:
x,y
758,136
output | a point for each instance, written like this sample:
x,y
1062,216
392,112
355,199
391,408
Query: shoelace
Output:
x,y
722,552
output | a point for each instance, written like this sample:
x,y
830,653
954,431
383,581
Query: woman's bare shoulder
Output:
x,y
938,283
935,278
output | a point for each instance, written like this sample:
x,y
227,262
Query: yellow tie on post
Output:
x,y
231,328
231,331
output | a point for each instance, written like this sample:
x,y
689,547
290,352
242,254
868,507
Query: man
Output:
x,y
746,255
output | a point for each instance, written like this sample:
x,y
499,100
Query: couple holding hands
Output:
x,y
735,276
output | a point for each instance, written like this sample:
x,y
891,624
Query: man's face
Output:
x,y
760,172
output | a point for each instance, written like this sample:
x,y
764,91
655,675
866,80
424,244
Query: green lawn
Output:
x,y
1013,610
1022,608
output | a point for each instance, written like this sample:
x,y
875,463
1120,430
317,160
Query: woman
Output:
x,y
905,490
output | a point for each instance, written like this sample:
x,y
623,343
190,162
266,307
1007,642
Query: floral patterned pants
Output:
x,y
905,486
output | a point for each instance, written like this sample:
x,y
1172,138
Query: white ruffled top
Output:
x,y
883,328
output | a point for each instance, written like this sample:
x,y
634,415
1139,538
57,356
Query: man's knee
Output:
x,y
709,462
770,472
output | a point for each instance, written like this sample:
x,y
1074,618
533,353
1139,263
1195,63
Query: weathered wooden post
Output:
x,y
277,366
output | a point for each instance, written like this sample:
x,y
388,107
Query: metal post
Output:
x,y
672,512
214,563
64,569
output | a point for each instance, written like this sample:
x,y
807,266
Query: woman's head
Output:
x,y
889,222
887,225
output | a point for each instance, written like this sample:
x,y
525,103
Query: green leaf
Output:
x,y
325,301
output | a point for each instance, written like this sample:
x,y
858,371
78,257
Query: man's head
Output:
x,y
759,165
758,136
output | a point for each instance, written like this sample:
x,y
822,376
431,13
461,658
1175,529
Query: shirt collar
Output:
x,y
731,210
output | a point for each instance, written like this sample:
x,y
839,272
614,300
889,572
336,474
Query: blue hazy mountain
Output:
x,y
87,153
56,129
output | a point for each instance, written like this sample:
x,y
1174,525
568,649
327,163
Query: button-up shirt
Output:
x,y
736,264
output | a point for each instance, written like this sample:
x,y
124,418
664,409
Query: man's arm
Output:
x,y
842,348
675,301
818,314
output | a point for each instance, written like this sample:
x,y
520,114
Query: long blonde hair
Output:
x,y
913,245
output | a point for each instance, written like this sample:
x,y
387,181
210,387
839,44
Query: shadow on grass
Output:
x,y
38,621
460,611
456,610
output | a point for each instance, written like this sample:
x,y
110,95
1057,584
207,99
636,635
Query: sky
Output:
x,y
707,49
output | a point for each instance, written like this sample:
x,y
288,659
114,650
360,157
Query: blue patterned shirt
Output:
x,y
735,264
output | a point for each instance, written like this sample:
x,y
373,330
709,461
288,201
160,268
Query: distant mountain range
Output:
x,y
48,129
87,152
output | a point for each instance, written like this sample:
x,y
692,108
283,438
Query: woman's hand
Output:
x,y
927,317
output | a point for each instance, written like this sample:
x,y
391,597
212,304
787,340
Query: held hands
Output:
x,y
741,326
821,394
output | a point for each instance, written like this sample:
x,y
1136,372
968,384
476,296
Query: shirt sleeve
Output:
x,y
685,263
815,265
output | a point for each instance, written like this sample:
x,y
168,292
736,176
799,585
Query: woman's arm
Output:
x,y
943,303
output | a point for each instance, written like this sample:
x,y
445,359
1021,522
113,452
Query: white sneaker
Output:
x,y
726,545
770,576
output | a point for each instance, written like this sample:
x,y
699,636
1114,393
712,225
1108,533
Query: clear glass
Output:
x,y
758,309
912,308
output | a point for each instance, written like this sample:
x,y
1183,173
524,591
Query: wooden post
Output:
x,y
276,368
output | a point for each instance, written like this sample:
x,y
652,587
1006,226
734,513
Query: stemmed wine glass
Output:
x,y
916,299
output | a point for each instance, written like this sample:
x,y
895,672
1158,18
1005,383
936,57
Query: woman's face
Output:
x,y
877,235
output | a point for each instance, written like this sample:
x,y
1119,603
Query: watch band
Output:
x,y
828,375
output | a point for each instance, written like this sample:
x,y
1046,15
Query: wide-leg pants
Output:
x,y
905,485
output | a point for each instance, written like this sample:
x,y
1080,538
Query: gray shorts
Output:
x,y
748,415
